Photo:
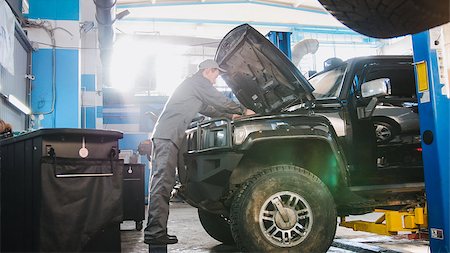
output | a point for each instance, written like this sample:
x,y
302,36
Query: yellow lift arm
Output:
x,y
391,222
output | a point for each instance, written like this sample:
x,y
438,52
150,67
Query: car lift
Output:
x,y
282,40
391,222
434,104
433,93
431,67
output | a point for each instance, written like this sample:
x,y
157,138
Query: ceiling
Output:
x,y
205,21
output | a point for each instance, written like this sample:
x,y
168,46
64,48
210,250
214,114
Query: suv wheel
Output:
x,y
283,208
384,132
216,226
388,19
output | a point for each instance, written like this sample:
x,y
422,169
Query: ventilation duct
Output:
x,y
106,16
304,47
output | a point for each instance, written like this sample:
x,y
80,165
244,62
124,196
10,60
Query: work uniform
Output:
x,y
195,95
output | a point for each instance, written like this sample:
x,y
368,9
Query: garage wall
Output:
x,y
397,46
64,110
54,9
90,69
447,50
15,85
55,95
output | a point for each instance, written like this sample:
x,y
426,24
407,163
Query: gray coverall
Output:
x,y
195,95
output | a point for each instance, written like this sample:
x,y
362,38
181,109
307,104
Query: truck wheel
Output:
x,y
384,132
387,19
216,226
283,209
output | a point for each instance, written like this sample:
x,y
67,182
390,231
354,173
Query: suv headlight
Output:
x,y
241,132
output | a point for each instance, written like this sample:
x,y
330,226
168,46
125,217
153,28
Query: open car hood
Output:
x,y
260,75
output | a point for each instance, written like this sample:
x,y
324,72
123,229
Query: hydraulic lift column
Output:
x,y
433,98
282,40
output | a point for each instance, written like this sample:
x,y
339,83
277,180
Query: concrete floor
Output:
x,y
184,223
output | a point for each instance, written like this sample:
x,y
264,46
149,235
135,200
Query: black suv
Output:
x,y
345,142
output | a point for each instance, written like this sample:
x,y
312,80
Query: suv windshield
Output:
x,y
328,84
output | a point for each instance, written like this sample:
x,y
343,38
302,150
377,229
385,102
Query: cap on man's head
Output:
x,y
210,64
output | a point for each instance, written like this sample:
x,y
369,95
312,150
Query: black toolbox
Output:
x,y
61,190
133,194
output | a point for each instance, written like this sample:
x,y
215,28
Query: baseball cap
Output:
x,y
210,64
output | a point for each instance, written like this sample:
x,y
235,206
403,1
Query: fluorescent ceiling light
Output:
x,y
19,105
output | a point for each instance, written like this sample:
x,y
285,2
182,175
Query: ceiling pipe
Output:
x,y
105,15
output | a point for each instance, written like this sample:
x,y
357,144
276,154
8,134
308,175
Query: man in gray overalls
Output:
x,y
195,95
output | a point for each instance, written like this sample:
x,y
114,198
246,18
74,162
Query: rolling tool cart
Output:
x,y
133,194
61,190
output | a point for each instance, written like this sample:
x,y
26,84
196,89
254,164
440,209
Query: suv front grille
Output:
x,y
214,134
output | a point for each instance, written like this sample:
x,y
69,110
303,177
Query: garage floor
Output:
x,y
184,223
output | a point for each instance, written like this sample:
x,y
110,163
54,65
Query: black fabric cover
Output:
x,y
74,208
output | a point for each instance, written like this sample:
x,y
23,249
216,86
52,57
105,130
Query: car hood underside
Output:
x,y
260,75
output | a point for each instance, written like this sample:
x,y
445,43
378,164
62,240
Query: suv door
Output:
x,y
387,144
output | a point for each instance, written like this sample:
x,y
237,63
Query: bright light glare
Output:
x,y
169,73
129,55
221,85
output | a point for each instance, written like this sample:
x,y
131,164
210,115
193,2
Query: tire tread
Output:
x,y
389,18
236,208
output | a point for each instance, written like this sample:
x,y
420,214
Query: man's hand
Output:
x,y
249,112
235,116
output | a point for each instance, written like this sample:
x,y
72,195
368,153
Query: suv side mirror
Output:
x,y
373,89
376,88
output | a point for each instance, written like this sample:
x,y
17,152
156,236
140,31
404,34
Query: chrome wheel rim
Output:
x,y
285,219
383,133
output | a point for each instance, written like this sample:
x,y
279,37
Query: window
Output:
x,y
328,84
400,74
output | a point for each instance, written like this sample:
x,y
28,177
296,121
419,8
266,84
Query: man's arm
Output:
x,y
212,97
210,111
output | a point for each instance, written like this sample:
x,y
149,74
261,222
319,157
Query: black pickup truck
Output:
x,y
344,142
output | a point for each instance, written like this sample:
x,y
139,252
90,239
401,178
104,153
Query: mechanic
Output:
x,y
194,95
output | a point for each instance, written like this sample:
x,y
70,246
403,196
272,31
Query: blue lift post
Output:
x,y
434,103
282,40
